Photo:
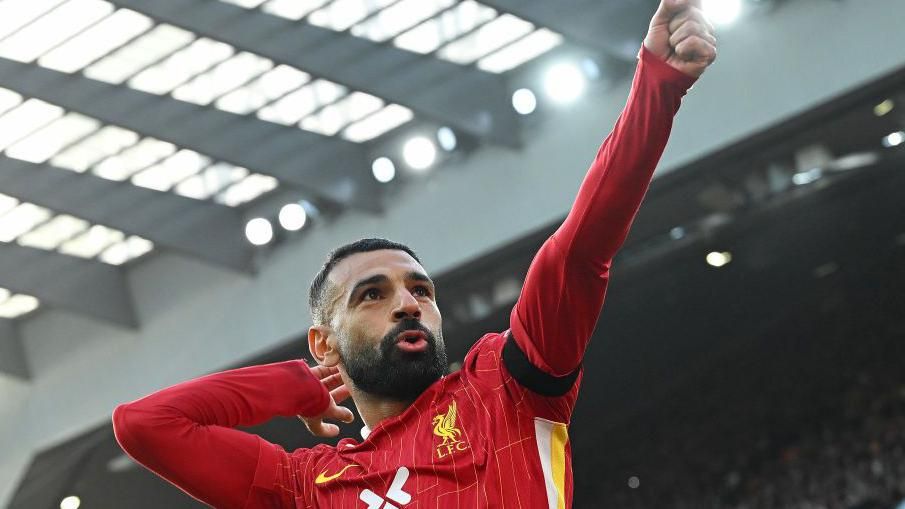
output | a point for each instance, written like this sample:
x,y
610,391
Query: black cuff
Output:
x,y
530,376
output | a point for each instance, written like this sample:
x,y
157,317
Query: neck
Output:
x,y
374,409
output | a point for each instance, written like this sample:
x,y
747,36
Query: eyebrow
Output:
x,y
382,278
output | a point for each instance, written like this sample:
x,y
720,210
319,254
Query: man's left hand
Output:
x,y
681,35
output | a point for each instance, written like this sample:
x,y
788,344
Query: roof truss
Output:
x,y
464,97
327,167
206,230
87,287
12,354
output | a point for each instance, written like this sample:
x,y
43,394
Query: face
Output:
x,y
385,328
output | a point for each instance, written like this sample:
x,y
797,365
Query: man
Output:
x,y
493,434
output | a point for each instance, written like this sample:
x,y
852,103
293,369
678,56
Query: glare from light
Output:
x,y
884,107
895,139
524,101
634,482
383,169
854,161
564,82
70,502
677,233
293,217
419,153
826,269
722,12
447,139
806,177
590,68
258,231
718,259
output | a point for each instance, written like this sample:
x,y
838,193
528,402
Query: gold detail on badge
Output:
x,y
445,428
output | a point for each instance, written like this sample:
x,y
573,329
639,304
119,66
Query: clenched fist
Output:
x,y
681,35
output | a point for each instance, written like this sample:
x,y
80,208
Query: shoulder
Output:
x,y
497,364
486,351
483,366
307,459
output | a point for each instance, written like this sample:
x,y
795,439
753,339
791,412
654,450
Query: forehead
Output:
x,y
389,262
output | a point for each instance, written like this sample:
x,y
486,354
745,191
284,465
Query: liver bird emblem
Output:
x,y
445,425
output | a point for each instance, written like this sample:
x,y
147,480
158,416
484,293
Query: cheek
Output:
x,y
365,329
431,314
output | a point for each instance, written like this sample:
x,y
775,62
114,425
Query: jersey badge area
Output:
x,y
395,495
445,428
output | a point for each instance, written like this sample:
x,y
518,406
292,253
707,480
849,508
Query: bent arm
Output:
x,y
183,433
565,286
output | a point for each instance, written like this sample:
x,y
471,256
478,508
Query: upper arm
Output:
x,y
558,309
496,365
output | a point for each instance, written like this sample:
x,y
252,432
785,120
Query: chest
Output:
x,y
456,452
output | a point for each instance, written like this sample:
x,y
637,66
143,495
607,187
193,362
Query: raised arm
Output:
x,y
564,290
183,433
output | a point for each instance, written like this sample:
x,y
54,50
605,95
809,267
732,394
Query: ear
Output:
x,y
322,345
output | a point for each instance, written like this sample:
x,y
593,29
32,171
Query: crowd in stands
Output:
x,y
803,423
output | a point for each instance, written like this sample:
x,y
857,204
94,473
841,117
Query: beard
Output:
x,y
390,372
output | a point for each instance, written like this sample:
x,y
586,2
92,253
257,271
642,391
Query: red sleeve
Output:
x,y
565,286
183,433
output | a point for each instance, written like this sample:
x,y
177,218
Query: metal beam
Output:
x,y
614,27
202,229
328,167
12,354
464,97
87,287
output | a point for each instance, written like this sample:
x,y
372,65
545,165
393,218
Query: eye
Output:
x,y
371,294
421,291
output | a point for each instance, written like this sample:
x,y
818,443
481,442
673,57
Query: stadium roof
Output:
x,y
129,128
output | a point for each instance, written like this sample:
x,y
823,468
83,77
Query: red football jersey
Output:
x,y
476,438
493,434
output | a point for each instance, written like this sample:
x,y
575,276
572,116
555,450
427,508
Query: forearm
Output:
x,y
239,397
565,286
620,175
183,433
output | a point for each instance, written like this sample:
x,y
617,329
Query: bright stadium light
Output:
x,y
447,139
718,259
383,169
894,139
419,153
884,107
564,82
258,231
293,217
70,502
806,177
524,101
722,12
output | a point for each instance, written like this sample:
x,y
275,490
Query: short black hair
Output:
x,y
318,288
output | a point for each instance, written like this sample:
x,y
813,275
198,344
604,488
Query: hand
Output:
x,y
331,378
681,35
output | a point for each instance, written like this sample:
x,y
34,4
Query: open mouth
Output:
x,y
411,341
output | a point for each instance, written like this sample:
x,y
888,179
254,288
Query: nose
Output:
x,y
407,307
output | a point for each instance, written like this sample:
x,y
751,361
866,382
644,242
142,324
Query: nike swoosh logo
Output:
x,y
323,477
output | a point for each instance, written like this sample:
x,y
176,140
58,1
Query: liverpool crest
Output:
x,y
445,428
